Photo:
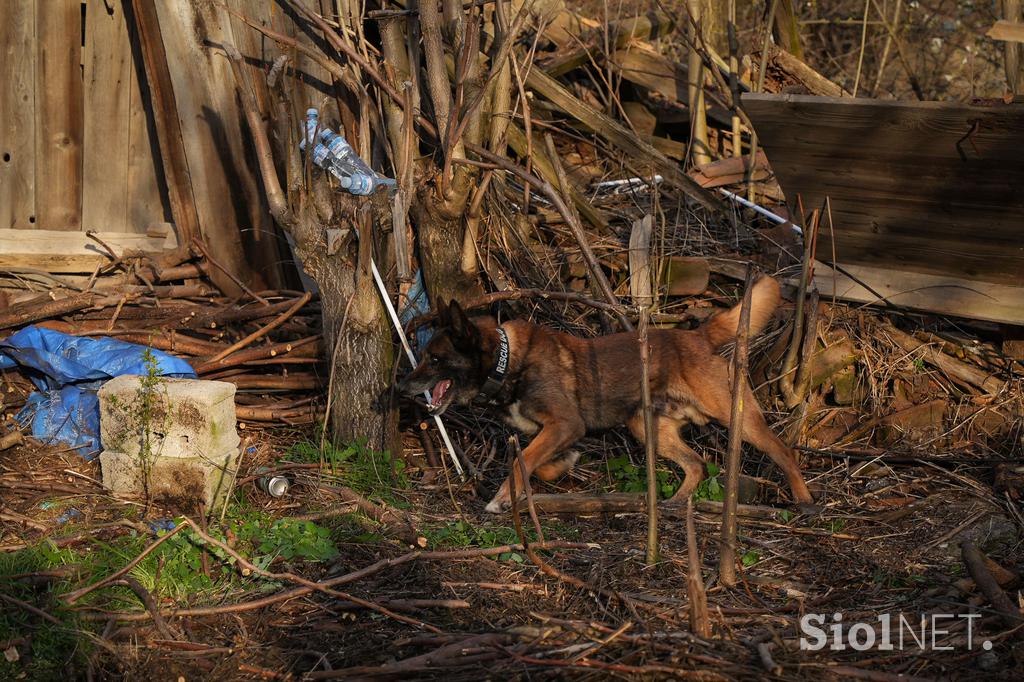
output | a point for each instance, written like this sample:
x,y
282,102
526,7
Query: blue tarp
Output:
x,y
68,371
417,304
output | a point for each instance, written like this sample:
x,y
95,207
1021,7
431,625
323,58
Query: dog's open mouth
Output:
x,y
438,395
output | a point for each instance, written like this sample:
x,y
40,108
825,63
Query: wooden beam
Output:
x,y
920,291
172,148
57,251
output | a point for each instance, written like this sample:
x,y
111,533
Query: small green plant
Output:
x,y
710,488
629,478
145,414
298,539
919,364
750,558
785,515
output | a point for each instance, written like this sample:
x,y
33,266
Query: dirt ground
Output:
x,y
884,542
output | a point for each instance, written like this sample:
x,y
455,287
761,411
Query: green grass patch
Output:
x,y
464,534
373,473
172,573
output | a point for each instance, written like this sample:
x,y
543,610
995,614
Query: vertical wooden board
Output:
x,y
204,92
17,114
58,113
316,81
107,67
147,200
264,242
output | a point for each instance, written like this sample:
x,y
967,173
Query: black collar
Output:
x,y
496,379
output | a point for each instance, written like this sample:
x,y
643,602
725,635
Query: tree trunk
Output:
x,y
359,344
440,244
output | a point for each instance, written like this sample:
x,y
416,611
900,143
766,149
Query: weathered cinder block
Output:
x,y
167,418
179,482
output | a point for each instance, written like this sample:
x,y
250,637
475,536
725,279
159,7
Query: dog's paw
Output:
x,y
497,506
809,508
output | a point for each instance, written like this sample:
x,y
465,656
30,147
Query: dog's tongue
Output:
x,y
440,388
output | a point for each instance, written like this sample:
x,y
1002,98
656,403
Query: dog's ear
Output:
x,y
461,325
444,317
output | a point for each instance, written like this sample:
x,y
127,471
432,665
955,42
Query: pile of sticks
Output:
x,y
267,343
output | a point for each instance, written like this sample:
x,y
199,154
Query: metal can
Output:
x,y
274,485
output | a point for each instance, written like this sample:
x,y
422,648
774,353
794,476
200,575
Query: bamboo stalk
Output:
x,y
650,439
727,560
700,623
699,149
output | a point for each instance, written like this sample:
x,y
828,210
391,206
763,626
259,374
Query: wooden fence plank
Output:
x,y
58,115
148,200
107,66
224,177
926,187
17,115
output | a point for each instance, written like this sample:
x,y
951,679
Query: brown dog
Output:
x,y
560,386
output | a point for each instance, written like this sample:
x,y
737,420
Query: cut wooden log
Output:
x,y
42,308
686,276
648,26
640,281
829,361
730,171
1007,31
955,369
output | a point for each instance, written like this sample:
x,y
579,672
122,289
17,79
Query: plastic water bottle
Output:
x,y
354,173
363,185
312,122
348,161
334,154
322,158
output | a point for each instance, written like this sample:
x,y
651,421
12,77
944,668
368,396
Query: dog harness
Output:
x,y
496,379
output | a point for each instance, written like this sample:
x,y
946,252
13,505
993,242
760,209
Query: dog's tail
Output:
x,y
764,298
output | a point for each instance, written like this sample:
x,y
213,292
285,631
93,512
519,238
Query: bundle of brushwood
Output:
x,y
267,343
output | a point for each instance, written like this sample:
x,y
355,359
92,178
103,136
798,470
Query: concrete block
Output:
x,y
186,418
179,482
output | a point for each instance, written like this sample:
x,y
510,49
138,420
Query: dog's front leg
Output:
x,y
553,437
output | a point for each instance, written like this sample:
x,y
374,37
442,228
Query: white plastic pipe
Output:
x,y
412,358
759,209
